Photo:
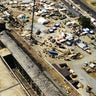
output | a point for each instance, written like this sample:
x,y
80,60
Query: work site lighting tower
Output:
x,y
32,18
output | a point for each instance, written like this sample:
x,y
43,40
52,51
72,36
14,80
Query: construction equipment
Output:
x,y
13,21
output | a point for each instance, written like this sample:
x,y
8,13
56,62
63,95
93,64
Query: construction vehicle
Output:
x,y
12,20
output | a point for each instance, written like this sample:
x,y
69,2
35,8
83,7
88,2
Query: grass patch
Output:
x,y
90,3
93,3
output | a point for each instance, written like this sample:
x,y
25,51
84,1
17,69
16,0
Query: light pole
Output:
x,y
32,19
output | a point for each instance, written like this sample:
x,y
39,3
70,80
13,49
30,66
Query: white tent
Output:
x,y
42,20
26,1
93,20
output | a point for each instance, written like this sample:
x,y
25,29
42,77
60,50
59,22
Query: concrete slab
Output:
x,y
9,86
6,79
14,91
4,52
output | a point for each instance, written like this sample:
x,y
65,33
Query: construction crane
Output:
x,y
33,40
32,19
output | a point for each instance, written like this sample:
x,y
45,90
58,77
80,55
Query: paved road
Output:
x,y
37,76
70,8
86,8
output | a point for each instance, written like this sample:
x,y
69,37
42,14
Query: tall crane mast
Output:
x,y
32,18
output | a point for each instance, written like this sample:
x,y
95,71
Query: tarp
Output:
x,y
53,52
42,20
